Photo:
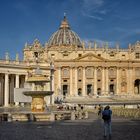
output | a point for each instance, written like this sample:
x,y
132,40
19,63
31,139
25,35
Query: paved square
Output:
x,y
91,129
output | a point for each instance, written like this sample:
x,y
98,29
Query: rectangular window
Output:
x,y
137,55
52,54
65,54
79,55
111,55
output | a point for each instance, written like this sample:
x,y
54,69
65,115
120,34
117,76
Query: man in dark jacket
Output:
x,y
106,116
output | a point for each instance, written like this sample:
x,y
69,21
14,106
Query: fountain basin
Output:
x,y
38,103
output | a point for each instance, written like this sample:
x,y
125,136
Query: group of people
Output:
x,y
106,116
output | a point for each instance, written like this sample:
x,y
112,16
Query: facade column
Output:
x,y
6,97
71,82
107,82
103,81
128,81
76,90
59,81
95,81
84,80
131,82
52,84
118,81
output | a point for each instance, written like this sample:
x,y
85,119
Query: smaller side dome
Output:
x,y
64,36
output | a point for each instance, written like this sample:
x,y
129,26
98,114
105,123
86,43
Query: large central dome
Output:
x,y
64,36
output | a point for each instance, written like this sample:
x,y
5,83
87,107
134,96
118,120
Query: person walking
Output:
x,y
100,109
106,116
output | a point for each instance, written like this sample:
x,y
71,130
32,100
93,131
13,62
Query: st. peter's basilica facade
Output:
x,y
76,70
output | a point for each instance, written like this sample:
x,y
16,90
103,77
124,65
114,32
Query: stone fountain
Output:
x,y
38,93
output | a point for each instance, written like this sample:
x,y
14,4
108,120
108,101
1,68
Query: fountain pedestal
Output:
x,y
38,104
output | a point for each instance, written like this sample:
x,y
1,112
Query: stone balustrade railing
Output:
x,y
126,112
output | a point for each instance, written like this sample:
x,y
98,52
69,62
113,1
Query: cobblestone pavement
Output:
x,y
91,129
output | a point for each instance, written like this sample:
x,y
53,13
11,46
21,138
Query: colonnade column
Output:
x,y
71,83
118,81
106,86
1,89
83,80
17,81
103,81
95,81
26,77
76,90
6,97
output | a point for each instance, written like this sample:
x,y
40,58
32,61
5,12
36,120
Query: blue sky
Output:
x,y
113,21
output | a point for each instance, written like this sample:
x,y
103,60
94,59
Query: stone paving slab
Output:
x,y
91,129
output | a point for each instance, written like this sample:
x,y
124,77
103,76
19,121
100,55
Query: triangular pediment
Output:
x,y
90,57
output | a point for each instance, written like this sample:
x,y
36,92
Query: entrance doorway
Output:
x,y
137,86
111,88
79,91
89,89
65,90
99,91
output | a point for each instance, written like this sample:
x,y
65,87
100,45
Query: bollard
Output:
x,y
9,117
86,114
52,117
72,115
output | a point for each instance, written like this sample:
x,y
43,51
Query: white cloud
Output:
x,y
91,9
92,4
92,16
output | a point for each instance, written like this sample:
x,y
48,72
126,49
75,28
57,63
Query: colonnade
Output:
x,y
8,82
